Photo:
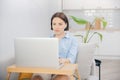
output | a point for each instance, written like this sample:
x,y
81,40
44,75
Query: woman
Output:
x,y
68,45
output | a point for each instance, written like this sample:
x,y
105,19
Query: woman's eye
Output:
x,y
60,23
54,23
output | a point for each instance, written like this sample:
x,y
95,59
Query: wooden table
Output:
x,y
67,69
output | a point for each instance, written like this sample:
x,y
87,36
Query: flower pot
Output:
x,y
97,24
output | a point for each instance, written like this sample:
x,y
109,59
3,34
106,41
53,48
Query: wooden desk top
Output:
x,y
66,69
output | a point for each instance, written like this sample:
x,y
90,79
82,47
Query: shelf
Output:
x,y
88,4
107,30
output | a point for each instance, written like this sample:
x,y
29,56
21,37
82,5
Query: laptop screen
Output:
x,y
36,52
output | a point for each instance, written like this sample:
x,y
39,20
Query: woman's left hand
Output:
x,y
64,61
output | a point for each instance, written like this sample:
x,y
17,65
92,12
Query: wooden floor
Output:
x,y
110,70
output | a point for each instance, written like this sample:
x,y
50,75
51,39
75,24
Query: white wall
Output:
x,y
109,48
110,15
20,18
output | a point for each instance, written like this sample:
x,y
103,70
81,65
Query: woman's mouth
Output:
x,y
56,30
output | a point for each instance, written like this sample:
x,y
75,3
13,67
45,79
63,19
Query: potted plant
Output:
x,y
90,26
86,50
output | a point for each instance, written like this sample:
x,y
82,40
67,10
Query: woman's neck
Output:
x,y
59,36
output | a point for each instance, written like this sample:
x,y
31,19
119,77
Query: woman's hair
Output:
x,y
62,16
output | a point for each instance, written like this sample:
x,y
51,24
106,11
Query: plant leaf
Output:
x,y
99,34
104,24
79,35
78,20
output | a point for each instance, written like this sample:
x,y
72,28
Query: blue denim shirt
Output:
x,y
68,47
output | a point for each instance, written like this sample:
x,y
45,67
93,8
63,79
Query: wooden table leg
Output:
x,y
78,75
8,75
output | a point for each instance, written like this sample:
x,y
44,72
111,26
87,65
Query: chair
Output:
x,y
98,63
85,59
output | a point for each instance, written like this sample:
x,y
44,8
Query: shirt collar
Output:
x,y
67,35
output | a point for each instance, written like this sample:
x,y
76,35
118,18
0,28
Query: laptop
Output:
x,y
37,52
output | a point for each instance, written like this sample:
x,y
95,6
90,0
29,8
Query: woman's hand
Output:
x,y
64,61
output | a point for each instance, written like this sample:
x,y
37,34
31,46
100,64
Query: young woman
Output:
x,y
68,45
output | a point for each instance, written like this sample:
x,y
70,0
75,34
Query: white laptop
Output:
x,y
37,52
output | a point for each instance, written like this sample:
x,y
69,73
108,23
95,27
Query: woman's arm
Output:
x,y
73,51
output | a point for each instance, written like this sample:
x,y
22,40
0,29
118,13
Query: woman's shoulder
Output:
x,y
70,36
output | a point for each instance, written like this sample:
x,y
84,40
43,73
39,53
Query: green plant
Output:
x,y
87,37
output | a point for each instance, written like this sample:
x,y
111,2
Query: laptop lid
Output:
x,y
36,52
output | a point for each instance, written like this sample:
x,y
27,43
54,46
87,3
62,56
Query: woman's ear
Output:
x,y
65,25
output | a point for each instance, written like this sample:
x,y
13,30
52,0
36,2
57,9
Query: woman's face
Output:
x,y
58,25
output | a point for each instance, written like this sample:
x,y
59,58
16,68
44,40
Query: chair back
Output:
x,y
85,58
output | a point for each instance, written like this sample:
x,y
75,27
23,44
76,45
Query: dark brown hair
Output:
x,y
62,16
